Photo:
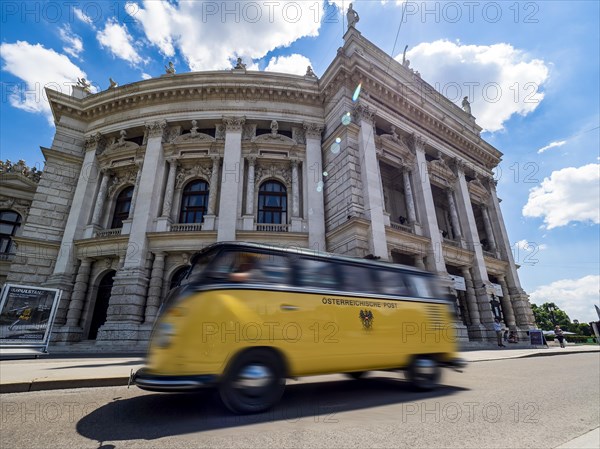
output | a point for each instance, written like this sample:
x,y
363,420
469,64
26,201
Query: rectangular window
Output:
x,y
393,283
317,274
358,279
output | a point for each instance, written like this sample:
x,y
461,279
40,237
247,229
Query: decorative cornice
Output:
x,y
364,112
20,168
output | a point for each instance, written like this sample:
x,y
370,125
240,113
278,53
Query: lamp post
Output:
x,y
552,309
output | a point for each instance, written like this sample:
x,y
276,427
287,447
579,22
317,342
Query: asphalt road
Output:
x,y
539,402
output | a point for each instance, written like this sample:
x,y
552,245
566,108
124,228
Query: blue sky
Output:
x,y
531,70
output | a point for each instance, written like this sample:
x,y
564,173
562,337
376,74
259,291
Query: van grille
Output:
x,y
435,315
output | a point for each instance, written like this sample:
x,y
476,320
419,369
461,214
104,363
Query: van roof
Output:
x,y
314,253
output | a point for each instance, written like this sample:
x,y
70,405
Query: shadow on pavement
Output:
x,y
153,416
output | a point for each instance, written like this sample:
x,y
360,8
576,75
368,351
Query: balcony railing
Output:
x,y
186,227
271,227
109,233
400,227
452,242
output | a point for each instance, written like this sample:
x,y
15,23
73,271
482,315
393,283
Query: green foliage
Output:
x,y
546,320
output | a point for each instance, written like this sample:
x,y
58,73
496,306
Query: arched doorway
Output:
x,y
101,307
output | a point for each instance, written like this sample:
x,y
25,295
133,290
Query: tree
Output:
x,y
549,315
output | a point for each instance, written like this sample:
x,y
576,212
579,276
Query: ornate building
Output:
x,y
141,176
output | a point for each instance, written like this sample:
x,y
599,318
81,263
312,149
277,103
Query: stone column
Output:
x,y
424,197
81,208
79,293
520,301
230,179
250,186
472,306
101,197
168,201
126,310
371,180
488,228
453,215
155,288
295,191
408,194
314,186
509,314
481,282
419,262
135,191
210,216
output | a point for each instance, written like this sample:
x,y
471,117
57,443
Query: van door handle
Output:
x,y
287,307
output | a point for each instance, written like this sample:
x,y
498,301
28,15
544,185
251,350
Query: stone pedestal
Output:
x,y
126,229
209,223
163,224
248,222
67,334
90,231
118,334
296,225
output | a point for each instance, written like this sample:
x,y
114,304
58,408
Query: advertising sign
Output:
x,y
498,290
536,337
26,315
459,282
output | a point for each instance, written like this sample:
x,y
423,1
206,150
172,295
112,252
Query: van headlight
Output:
x,y
164,334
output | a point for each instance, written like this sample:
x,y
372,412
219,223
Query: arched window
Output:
x,y
194,202
272,203
9,223
122,207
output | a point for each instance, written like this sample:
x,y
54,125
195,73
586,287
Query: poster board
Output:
x,y
26,315
536,337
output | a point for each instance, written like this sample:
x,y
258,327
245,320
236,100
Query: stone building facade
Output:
x,y
139,177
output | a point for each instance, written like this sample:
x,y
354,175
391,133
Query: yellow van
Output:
x,y
248,316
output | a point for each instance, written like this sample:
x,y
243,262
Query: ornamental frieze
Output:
x,y
197,171
20,168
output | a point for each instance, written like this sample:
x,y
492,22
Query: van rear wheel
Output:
x,y
424,373
254,382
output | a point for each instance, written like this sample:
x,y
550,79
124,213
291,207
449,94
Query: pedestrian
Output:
x,y
498,330
559,335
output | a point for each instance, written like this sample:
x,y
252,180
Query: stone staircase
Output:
x,y
90,347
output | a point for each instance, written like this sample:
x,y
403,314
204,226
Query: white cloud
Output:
x,y
568,195
525,245
559,143
295,64
74,44
498,79
575,296
145,76
209,35
83,17
24,60
119,42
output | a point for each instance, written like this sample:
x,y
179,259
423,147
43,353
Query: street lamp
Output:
x,y
552,309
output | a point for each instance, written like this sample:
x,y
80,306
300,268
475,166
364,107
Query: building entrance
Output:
x,y
101,307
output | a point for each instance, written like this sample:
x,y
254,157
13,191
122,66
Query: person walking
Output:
x,y
560,336
498,330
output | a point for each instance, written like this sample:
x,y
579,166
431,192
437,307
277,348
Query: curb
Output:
x,y
62,384
535,354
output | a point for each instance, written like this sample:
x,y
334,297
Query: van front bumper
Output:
x,y
156,382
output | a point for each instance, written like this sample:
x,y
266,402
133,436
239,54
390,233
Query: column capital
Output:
x,y
158,254
460,165
95,142
416,142
364,112
234,123
156,129
251,160
313,130
105,171
86,260
173,160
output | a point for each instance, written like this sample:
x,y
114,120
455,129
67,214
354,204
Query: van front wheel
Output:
x,y
424,373
254,382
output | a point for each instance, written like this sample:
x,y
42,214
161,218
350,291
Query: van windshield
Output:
x,y
200,262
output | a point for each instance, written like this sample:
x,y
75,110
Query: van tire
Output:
x,y
424,373
253,382
356,375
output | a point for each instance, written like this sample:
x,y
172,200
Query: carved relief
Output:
x,y
280,171
298,135
197,171
121,178
95,142
20,206
363,112
248,132
156,129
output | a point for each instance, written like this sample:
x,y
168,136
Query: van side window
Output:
x,y
250,267
274,269
358,279
393,283
317,274
423,286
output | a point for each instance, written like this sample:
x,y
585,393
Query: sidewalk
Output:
x,y
49,373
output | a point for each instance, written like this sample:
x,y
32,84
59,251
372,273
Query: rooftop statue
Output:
x,y
113,83
466,105
84,84
352,17
240,64
170,69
